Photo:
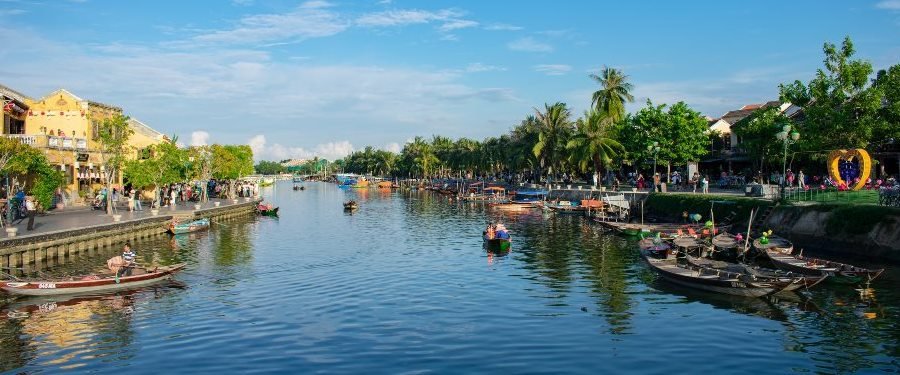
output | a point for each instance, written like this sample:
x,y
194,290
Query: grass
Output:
x,y
862,197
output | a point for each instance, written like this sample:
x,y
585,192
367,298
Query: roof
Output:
x,y
80,99
13,94
732,117
140,127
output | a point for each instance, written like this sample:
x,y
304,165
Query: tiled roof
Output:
x,y
13,94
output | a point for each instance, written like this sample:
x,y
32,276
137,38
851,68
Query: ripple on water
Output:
x,y
403,285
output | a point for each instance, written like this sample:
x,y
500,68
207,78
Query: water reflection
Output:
x,y
405,285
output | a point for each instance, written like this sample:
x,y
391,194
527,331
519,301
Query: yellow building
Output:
x,y
66,128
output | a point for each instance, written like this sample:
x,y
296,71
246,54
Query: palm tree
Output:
x,y
613,93
592,144
555,128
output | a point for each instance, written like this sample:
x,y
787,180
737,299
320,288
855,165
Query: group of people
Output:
x,y
496,231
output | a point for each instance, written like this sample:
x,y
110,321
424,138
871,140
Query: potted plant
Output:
x,y
11,232
117,217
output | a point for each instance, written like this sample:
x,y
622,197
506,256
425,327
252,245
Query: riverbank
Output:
x,y
862,231
65,235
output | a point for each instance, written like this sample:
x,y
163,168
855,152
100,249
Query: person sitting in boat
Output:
x,y
128,256
501,232
491,232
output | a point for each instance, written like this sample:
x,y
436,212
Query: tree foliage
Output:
x,y
113,135
593,144
269,167
757,132
614,92
679,131
841,110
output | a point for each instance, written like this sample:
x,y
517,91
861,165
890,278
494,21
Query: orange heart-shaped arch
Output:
x,y
865,166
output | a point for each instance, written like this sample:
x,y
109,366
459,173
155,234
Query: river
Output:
x,y
403,285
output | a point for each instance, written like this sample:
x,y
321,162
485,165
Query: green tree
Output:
x,y
268,167
164,164
592,144
840,109
20,160
614,92
888,82
554,131
231,162
200,167
113,135
679,131
757,133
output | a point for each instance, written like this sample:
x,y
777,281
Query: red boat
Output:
x,y
91,284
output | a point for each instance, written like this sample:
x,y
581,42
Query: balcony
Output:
x,y
51,141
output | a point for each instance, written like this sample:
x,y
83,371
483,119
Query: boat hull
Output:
x,y
53,288
194,226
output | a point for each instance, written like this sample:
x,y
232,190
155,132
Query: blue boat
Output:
x,y
188,227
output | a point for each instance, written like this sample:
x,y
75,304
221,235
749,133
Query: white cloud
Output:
x,y
309,20
479,67
11,12
405,17
450,37
457,24
385,2
888,4
277,151
502,27
242,2
393,147
553,69
199,138
529,44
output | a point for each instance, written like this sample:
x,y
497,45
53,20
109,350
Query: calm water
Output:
x,y
404,286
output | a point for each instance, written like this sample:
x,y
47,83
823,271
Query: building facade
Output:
x,y
66,128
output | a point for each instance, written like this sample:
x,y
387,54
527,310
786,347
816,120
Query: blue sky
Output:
x,y
303,78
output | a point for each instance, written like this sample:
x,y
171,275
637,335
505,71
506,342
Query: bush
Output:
x,y
670,206
856,219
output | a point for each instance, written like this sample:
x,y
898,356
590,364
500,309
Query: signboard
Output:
x,y
82,157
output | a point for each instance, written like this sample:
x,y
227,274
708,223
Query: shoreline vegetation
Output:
x,y
846,105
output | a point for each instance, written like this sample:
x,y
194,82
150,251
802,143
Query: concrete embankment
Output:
x,y
870,232
862,231
45,250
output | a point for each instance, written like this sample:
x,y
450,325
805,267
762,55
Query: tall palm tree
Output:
x,y
555,128
613,93
593,145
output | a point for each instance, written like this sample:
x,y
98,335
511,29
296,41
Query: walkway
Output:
x,y
82,217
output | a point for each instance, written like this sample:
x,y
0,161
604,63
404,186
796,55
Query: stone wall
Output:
x,y
870,232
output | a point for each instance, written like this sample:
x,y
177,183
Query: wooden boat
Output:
x,y
565,207
350,205
299,187
90,284
497,244
711,280
188,227
267,210
775,243
839,272
760,273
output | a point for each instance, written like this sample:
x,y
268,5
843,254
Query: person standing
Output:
x,y
656,183
32,210
800,180
173,197
705,184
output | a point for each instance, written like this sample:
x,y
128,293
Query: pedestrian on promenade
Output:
x,y
173,197
640,181
800,180
129,195
705,184
790,178
656,183
136,195
32,209
695,179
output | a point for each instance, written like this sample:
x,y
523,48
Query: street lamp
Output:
x,y
788,137
654,148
